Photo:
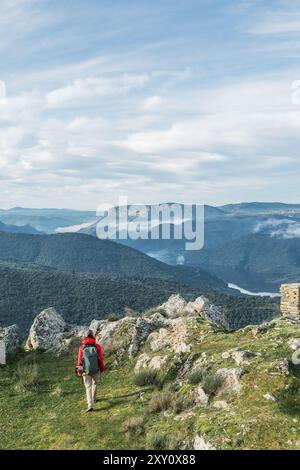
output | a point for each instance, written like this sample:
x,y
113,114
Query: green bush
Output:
x,y
157,441
161,401
147,377
113,317
26,375
181,404
196,376
134,426
211,382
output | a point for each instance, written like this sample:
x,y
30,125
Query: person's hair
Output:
x,y
90,334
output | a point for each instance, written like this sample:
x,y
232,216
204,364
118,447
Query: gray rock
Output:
x,y
230,383
238,355
120,331
200,397
201,444
174,337
10,338
154,363
294,343
283,366
95,326
174,306
220,405
269,397
47,332
143,327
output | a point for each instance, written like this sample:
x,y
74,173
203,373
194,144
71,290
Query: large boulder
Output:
x,y
153,363
174,307
229,379
120,331
174,337
143,328
200,397
10,338
47,332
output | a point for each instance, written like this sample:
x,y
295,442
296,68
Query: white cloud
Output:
x,y
280,228
88,89
152,103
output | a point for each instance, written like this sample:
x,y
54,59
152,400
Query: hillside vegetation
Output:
x,y
26,289
259,261
83,253
206,389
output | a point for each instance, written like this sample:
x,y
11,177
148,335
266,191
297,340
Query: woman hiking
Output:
x,y
89,365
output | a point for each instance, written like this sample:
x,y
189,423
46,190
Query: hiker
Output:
x,y
90,364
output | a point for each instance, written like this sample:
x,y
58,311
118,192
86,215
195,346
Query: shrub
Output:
x,y
113,317
134,426
161,401
147,377
157,441
211,382
196,376
26,375
181,403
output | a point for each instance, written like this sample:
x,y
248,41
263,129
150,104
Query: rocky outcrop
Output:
x,y
174,338
11,339
176,307
153,363
120,331
168,328
143,327
220,405
46,332
239,356
200,398
229,381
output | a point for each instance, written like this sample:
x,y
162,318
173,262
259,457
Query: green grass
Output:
x,y
45,419
49,411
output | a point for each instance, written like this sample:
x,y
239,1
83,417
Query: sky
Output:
x,y
184,100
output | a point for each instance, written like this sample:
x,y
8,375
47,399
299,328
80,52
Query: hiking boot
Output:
x,y
89,410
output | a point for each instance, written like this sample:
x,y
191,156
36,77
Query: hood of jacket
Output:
x,y
88,341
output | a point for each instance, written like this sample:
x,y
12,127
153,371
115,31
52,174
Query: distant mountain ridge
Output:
x,y
18,229
83,253
260,261
231,228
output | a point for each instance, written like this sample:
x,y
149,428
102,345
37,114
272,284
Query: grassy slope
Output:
x,y
45,418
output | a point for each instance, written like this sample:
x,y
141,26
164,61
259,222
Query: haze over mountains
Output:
x,y
254,245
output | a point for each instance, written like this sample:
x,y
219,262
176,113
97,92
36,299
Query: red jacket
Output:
x,y
91,341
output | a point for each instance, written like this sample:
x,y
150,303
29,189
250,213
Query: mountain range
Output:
x,y
254,245
85,277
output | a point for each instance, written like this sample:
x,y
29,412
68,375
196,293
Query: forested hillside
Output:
x,y
25,290
83,253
